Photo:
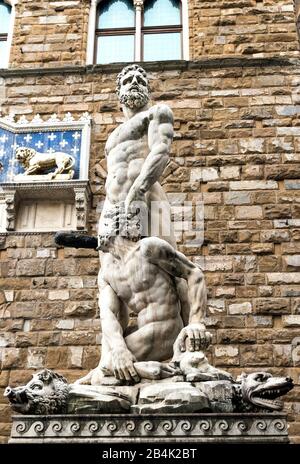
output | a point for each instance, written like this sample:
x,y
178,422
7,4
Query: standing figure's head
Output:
x,y
133,87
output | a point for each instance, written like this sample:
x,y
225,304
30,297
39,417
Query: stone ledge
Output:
x,y
15,193
205,63
123,428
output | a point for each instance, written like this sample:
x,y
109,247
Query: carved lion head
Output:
x,y
23,154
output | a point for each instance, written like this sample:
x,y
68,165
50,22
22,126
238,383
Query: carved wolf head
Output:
x,y
263,390
46,393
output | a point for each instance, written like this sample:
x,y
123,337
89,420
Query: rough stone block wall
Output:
x,y
243,27
50,33
54,33
236,148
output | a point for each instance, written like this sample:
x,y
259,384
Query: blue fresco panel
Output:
x,y
6,150
51,141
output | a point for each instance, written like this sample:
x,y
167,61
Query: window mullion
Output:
x,y
185,29
91,45
138,4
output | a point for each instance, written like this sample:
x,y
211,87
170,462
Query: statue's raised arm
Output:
x,y
160,136
152,298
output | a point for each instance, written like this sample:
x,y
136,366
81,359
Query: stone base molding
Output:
x,y
161,428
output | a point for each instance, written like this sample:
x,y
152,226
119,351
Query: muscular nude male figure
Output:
x,y
140,279
137,152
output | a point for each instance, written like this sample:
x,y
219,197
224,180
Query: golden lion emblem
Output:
x,y
35,162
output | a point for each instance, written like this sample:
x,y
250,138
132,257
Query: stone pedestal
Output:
x,y
158,428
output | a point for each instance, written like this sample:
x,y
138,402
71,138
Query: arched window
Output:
x,y
138,30
7,18
5,22
161,31
115,31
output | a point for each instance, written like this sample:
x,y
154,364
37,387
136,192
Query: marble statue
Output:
x,y
140,273
35,162
140,279
159,364
143,275
50,393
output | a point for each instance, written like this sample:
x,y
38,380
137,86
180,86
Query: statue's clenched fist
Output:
x,y
193,337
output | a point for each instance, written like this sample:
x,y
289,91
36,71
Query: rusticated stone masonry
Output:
x,y
50,32
54,33
236,149
243,27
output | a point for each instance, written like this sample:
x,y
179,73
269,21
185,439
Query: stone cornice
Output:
x,y
203,63
156,428
57,185
76,191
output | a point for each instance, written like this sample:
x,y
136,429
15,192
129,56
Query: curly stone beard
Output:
x,y
135,99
